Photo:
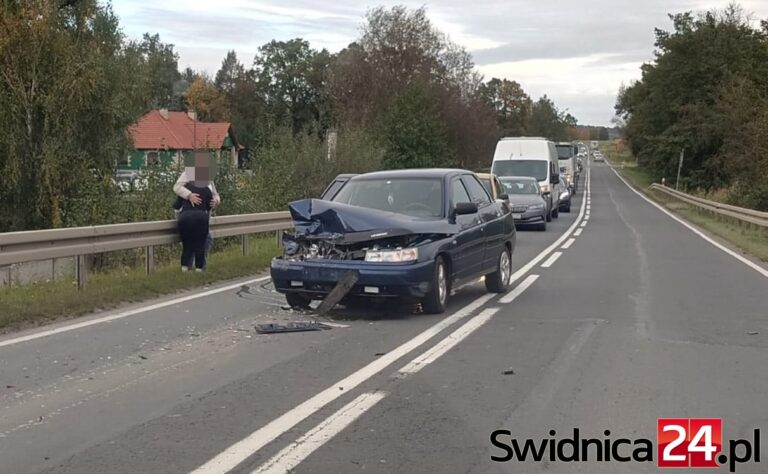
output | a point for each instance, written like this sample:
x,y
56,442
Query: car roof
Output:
x,y
485,175
507,178
412,173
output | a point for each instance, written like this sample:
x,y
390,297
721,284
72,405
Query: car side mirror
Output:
x,y
463,208
504,197
554,179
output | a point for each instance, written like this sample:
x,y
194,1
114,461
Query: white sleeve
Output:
x,y
179,188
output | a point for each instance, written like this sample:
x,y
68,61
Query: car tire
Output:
x,y
297,301
498,281
556,213
435,300
568,207
549,215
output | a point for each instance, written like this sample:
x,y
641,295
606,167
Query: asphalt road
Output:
x,y
619,315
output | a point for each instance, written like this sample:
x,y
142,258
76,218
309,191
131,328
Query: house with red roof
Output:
x,y
163,136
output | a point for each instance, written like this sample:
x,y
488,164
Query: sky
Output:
x,y
578,52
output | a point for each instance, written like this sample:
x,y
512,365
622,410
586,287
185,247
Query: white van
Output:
x,y
530,156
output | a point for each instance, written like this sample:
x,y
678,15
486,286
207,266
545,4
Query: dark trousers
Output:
x,y
193,229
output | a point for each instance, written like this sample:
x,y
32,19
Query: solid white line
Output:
x,y
578,231
696,231
449,342
238,452
551,260
125,314
296,452
519,289
568,244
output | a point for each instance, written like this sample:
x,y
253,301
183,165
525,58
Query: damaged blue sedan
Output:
x,y
395,234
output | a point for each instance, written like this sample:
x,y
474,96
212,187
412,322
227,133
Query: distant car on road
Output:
x,y
529,206
598,156
406,233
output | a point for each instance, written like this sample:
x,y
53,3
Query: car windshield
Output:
x,y
533,168
520,186
564,151
418,197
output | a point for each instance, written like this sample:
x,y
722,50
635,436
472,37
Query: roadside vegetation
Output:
x,y
706,93
38,303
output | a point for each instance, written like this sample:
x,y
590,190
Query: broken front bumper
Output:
x,y
317,278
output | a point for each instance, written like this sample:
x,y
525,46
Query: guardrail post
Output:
x,y
279,237
150,254
81,270
246,240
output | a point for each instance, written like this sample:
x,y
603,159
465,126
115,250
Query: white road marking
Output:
x,y
293,454
125,314
551,260
578,231
296,452
584,223
238,452
519,289
449,342
696,231
568,243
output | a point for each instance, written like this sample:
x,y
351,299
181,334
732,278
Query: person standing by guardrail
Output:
x,y
198,192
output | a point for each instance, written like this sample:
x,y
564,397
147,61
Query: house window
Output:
x,y
153,158
124,162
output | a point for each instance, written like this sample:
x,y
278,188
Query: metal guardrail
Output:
x,y
29,246
750,216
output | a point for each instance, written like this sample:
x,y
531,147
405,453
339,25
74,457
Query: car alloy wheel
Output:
x,y
442,284
435,300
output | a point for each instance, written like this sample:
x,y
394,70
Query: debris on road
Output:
x,y
142,357
379,354
509,372
753,333
273,328
345,284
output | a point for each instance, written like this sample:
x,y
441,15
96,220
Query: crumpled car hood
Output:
x,y
318,219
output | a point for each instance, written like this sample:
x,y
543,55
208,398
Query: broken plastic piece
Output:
x,y
290,327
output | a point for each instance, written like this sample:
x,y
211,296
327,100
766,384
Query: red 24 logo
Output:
x,y
689,442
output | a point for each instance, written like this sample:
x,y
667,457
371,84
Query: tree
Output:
x,y
546,120
161,65
207,101
231,71
511,104
67,95
673,105
414,134
292,76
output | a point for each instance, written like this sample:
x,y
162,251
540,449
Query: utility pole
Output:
x,y
679,167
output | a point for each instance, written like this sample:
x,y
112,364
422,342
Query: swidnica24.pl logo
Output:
x,y
680,443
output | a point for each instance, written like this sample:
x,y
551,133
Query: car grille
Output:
x,y
519,208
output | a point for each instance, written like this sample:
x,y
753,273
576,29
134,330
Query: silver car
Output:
x,y
526,201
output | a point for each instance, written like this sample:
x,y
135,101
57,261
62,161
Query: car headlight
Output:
x,y
535,207
398,255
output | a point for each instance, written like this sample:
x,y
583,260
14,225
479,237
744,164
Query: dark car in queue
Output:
x,y
565,194
396,234
529,208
